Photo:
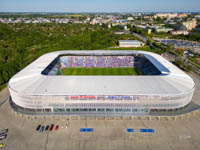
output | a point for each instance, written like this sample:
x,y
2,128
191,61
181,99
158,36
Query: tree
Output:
x,y
170,46
189,68
180,51
148,42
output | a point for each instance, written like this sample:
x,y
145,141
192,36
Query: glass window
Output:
x,y
68,110
109,109
92,109
84,109
101,110
59,110
75,109
47,110
55,109
134,110
118,110
127,110
29,110
39,110
144,110
62,110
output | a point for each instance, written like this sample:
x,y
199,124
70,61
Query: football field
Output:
x,y
99,71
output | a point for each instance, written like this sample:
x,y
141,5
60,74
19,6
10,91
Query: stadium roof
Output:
x,y
30,81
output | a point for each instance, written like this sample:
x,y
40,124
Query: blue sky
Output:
x,y
99,5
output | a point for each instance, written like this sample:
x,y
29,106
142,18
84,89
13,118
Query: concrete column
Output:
x,y
175,118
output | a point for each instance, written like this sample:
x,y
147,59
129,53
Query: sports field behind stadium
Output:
x,y
100,71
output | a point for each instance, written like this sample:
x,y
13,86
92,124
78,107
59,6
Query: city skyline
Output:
x,y
99,6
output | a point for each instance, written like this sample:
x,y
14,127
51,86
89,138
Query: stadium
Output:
x,y
100,83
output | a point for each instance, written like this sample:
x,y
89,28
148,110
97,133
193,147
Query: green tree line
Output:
x,y
21,44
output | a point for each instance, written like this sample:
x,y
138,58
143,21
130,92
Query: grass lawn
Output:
x,y
98,71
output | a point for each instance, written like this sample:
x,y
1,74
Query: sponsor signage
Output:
x,y
101,98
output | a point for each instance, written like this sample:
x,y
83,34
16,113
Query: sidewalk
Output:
x,y
4,94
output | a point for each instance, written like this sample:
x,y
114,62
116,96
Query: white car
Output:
x,y
4,131
2,137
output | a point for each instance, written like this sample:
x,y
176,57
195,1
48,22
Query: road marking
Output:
x,y
147,130
3,101
47,139
86,130
130,130
83,130
90,130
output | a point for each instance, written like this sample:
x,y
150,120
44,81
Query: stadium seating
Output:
x,y
146,66
97,61
138,62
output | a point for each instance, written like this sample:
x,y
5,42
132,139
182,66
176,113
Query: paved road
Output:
x,y
179,43
143,38
140,37
173,58
4,95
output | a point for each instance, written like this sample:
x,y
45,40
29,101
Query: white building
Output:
x,y
130,43
34,91
166,15
163,29
130,18
179,32
190,24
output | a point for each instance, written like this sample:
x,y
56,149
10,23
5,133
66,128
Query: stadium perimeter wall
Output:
x,y
139,104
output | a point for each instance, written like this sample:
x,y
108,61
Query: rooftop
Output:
x,y
135,41
30,81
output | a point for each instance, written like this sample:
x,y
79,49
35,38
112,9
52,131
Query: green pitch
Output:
x,y
98,71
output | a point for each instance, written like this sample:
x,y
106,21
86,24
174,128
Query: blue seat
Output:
x,y
130,130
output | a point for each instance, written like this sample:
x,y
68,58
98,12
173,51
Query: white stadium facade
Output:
x,y
37,90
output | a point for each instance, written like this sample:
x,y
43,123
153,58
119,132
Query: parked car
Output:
x,y
38,127
51,127
2,137
42,129
1,134
62,126
4,131
57,127
47,128
1,145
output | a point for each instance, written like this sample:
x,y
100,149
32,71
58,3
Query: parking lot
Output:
x,y
98,134
195,46
107,134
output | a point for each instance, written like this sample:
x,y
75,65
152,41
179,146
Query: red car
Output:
x,y
51,127
57,127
